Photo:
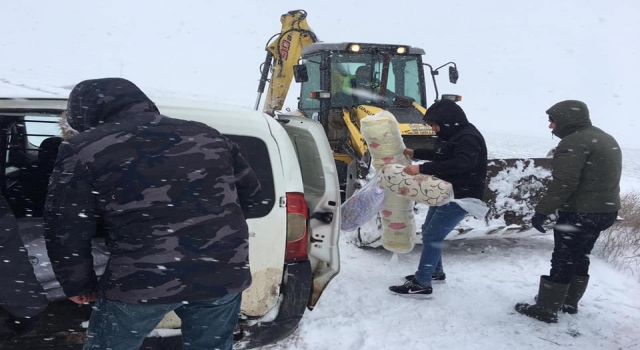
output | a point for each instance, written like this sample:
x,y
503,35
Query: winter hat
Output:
x,y
569,116
448,115
569,110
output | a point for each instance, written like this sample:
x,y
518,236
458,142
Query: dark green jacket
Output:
x,y
587,164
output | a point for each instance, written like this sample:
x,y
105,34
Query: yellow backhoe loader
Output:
x,y
341,83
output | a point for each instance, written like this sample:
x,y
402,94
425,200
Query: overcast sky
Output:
x,y
516,59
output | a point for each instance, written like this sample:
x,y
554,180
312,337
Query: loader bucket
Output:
x,y
514,187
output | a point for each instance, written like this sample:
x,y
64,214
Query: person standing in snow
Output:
x,y
172,195
585,189
461,159
21,295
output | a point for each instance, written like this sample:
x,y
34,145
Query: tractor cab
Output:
x,y
345,75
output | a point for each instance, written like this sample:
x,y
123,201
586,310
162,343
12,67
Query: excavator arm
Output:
x,y
283,52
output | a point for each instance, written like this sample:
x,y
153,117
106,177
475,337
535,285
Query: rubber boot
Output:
x,y
576,290
17,327
550,298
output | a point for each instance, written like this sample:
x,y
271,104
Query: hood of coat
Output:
x,y
99,101
569,117
448,115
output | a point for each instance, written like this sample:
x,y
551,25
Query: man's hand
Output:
x,y
408,152
411,169
84,299
537,220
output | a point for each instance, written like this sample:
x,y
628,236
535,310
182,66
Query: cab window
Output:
x,y
308,106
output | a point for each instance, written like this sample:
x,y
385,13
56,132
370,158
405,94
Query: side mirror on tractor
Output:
x,y
453,74
300,73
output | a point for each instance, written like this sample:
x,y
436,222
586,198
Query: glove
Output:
x,y
537,220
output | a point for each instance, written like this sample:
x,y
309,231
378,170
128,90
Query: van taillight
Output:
x,y
297,240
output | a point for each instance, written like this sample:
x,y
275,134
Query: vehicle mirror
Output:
x,y
453,74
300,73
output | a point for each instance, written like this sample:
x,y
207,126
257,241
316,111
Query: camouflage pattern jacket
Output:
x,y
169,192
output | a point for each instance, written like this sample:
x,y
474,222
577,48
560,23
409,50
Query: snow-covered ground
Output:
x,y
474,309
515,60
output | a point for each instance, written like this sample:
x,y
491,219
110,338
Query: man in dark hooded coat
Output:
x,y
171,194
461,159
585,190
21,295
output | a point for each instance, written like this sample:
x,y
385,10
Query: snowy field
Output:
x,y
474,309
514,60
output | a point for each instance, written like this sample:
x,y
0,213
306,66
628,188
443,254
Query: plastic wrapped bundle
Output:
x,y
421,188
384,140
362,206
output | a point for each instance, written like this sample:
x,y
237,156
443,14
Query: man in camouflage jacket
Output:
x,y
585,190
171,195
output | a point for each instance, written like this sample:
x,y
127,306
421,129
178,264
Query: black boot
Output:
x,y
576,290
550,298
20,326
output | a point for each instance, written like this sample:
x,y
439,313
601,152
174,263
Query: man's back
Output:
x,y
167,190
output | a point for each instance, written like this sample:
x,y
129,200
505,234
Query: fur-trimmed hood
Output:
x,y
99,101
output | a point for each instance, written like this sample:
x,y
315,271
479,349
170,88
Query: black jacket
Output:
x,y
461,153
169,191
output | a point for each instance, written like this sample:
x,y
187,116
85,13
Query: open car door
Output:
x,y
322,193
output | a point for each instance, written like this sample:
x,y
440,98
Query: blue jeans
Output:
x,y
206,324
437,225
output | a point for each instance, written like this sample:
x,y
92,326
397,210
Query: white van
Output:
x,y
293,232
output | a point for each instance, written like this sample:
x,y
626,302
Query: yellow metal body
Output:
x,y
286,49
352,118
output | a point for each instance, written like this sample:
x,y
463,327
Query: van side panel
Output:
x,y
268,233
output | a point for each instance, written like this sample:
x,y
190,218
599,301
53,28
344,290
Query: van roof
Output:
x,y
196,109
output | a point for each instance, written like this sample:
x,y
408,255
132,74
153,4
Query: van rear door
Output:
x,y
322,193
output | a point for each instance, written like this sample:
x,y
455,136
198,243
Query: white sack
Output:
x,y
384,140
421,188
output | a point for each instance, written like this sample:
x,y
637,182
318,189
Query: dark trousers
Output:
x,y
575,234
20,292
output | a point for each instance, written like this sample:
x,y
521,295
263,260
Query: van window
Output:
x,y
255,151
310,163
39,128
